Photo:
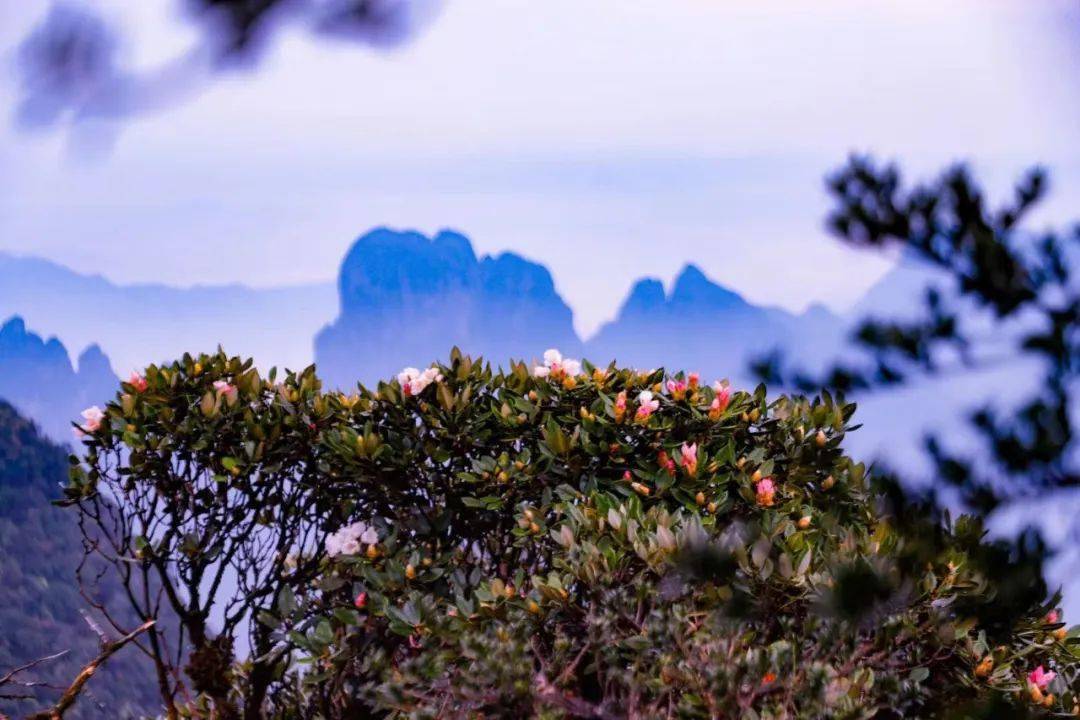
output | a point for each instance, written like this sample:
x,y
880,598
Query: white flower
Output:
x,y
350,539
647,405
93,416
349,546
413,381
556,365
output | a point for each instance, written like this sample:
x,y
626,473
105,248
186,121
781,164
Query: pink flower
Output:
x,y
92,416
677,389
765,491
221,387
620,406
688,458
361,601
1052,617
138,382
666,463
693,380
647,405
720,402
1040,678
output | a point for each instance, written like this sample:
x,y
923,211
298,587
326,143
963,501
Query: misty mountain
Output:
x,y
703,326
140,324
38,378
405,300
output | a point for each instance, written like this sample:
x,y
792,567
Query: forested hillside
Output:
x,y
40,603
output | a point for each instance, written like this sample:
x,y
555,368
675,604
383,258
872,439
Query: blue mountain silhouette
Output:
x,y
139,324
38,378
406,298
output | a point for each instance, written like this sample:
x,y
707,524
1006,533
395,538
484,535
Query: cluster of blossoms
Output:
x,y
678,389
720,402
1038,682
350,539
413,381
556,366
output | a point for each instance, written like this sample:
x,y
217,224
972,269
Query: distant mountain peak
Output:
x,y
406,299
693,289
646,296
93,361
13,327
37,377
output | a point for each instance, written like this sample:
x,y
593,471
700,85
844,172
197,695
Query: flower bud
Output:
x,y
827,483
804,522
820,438
711,507
700,498
410,572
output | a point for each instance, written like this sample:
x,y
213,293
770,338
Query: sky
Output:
x,y
607,139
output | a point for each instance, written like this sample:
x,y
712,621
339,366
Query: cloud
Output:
x,y
69,68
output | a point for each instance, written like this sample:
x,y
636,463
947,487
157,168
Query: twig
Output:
x,y
33,663
72,693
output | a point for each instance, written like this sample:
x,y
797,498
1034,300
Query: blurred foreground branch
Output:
x,y
72,693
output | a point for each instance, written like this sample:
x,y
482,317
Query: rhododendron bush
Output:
x,y
559,540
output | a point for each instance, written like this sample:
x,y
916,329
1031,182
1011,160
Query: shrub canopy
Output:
x,y
555,541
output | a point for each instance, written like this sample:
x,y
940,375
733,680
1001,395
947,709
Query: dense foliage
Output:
x,y
556,541
40,601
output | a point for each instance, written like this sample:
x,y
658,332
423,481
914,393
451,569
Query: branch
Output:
x,y
72,693
10,677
